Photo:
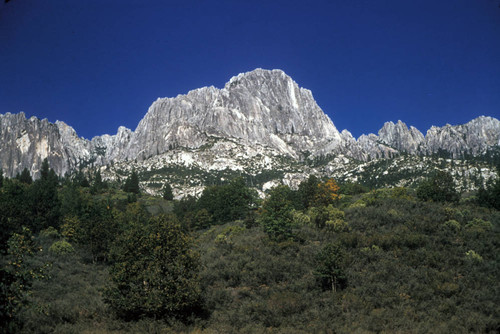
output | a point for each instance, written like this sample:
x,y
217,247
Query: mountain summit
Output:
x,y
262,114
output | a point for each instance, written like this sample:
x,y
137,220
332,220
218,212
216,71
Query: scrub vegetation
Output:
x,y
79,255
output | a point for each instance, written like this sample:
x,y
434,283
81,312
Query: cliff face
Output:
x,y
260,108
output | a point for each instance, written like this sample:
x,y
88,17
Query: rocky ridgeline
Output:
x,y
259,111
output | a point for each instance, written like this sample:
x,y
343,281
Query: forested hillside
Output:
x,y
81,255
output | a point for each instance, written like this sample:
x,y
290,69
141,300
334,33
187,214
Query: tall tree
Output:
x,y
331,267
154,271
276,215
45,201
167,192
25,176
438,188
132,183
307,191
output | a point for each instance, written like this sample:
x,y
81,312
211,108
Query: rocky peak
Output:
x,y
259,107
400,137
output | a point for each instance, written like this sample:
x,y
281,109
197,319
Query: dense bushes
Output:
x,y
314,260
154,271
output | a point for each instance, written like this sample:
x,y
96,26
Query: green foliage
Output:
x,y
1,178
80,180
15,210
50,233
98,185
132,183
154,271
25,176
46,205
96,228
307,192
439,188
396,264
276,217
61,248
350,188
16,278
330,267
228,202
490,196
473,256
328,216
167,192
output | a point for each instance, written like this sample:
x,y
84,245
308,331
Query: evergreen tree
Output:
x,y
81,180
167,192
228,202
331,267
45,201
25,176
97,185
1,178
276,216
15,209
438,188
132,183
307,192
154,272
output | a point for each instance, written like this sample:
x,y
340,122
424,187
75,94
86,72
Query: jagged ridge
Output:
x,y
261,107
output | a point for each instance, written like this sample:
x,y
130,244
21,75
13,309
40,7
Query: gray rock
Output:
x,y
261,111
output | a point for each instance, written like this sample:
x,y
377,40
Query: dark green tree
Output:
x,y
96,228
45,201
16,278
154,271
1,178
132,183
25,176
330,267
438,188
276,215
490,196
307,192
228,202
81,180
167,192
97,184
15,210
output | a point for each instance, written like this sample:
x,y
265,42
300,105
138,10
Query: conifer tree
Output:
x,y
25,176
132,183
167,192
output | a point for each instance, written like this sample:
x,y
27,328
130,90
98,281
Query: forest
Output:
x,y
83,255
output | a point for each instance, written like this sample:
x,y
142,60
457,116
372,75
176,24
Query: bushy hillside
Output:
x,y
323,258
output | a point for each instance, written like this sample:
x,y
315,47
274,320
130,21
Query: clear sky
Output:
x,y
99,64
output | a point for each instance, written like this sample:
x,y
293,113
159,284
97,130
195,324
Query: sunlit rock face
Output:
x,y
261,111
258,107
27,142
473,138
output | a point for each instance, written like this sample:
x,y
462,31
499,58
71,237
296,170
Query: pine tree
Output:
x,y
132,183
167,192
25,176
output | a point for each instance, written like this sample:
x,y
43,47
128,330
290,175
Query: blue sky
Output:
x,y
99,64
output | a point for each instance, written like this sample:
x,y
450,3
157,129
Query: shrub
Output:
x,y
50,232
61,247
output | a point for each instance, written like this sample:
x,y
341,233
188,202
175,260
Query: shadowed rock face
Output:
x,y
261,107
